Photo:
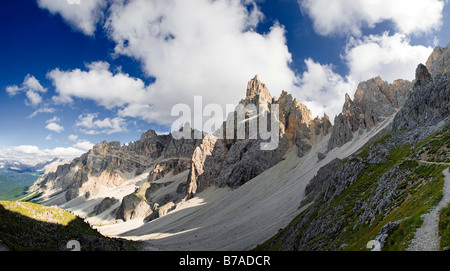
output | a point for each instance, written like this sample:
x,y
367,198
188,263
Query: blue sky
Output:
x,y
77,72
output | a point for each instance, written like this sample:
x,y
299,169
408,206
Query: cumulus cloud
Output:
x,y
29,154
389,56
33,98
111,90
73,137
322,90
55,127
83,145
90,125
32,88
82,15
349,16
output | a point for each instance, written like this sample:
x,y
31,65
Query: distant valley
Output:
x,y
16,178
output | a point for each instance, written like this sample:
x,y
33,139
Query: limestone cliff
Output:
x,y
374,101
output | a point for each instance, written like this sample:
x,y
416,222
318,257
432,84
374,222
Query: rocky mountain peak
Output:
x,y
439,61
373,88
347,98
430,101
374,101
149,134
257,92
290,105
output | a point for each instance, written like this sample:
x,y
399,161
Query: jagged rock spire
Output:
x,y
422,75
256,88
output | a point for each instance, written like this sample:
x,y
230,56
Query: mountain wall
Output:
x,y
382,191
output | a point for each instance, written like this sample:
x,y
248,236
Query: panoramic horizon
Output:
x,y
225,125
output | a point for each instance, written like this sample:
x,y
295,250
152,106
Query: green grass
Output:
x,y
13,193
422,190
400,238
444,228
31,227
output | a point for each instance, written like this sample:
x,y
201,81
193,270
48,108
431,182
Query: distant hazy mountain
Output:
x,y
16,177
18,166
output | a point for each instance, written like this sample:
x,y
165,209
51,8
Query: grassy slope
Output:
x,y
30,227
444,228
421,190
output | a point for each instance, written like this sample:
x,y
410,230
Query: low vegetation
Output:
x,y
444,228
27,226
418,187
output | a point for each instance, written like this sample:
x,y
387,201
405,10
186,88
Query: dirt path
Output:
x,y
434,163
427,237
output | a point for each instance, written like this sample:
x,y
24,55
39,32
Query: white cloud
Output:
x,y
52,126
82,16
391,57
84,145
13,90
33,98
189,57
349,16
31,87
49,137
73,137
90,126
54,119
42,110
111,90
29,154
31,83
322,90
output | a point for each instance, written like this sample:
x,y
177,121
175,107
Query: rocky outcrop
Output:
x,y
104,205
439,61
374,101
133,206
430,101
297,125
257,92
171,165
